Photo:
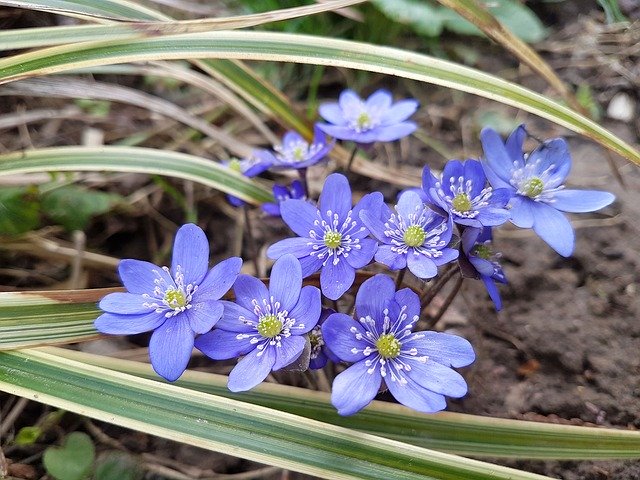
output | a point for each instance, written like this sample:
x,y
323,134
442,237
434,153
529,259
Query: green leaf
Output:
x,y
73,460
422,17
19,210
514,15
117,466
473,435
230,426
136,160
612,11
314,50
73,207
28,435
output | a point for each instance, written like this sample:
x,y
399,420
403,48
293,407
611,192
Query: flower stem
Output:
x,y
302,173
253,246
447,303
430,293
400,278
351,158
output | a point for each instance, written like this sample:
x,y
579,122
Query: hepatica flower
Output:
x,y
463,193
480,262
537,185
414,366
259,161
296,152
177,303
332,238
320,352
414,236
283,193
376,119
267,326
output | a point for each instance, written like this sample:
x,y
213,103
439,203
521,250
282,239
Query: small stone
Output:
x,y
621,107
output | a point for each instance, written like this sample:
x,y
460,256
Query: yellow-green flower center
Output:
x,y
482,251
332,239
175,298
461,202
388,346
235,165
298,154
414,236
363,121
269,326
533,187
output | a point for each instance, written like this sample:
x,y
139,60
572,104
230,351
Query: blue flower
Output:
x,y
296,152
282,193
377,119
320,352
415,366
415,236
268,327
259,161
480,262
175,303
332,238
536,183
463,193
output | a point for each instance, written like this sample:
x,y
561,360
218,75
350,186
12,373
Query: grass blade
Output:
x,y
313,50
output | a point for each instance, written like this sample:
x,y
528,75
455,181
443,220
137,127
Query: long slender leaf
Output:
x,y
88,9
314,50
230,426
49,36
451,432
138,160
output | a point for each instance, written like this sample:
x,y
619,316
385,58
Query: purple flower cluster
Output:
x,y
284,326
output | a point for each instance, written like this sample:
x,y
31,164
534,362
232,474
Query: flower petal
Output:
x,y
375,222
408,298
437,378
204,315
307,311
299,215
289,351
218,280
473,172
448,255
421,266
400,111
140,277
222,345
409,203
380,100
492,290
521,211
170,347
332,113
491,217
414,396
362,256
297,246
372,202
553,155
374,296
116,324
496,157
515,143
310,264
291,137
335,279
354,388
347,99
579,201
335,198
252,369
124,303
247,289
393,260
444,348
190,253
285,281
232,318
393,132
340,333
554,228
